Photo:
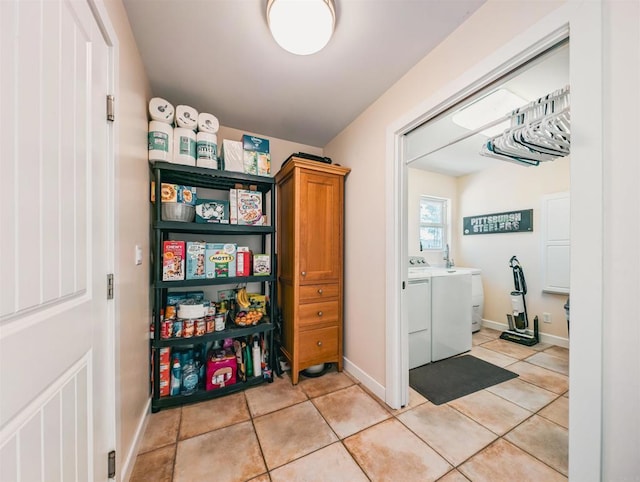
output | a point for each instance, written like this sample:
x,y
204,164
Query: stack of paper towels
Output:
x,y
181,144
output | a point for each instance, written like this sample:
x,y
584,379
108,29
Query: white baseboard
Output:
x,y
130,460
545,338
373,386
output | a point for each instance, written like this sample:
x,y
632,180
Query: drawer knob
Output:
x,y
304,273
320,291
319,313
319,343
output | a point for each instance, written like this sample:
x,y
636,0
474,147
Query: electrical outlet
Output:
x,y
546,317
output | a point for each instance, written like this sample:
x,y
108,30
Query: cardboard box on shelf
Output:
x,y
173,254
256,156
261,265
196,259
212,211
221,260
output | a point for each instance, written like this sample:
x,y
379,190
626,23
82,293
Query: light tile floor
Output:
x,y
332,428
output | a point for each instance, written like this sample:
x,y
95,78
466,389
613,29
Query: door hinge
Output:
x,y
111,465
110,108
110,286
403,285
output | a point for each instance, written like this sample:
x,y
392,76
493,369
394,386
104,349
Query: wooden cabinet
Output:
x,y
310,226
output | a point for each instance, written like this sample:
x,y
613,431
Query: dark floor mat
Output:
x,y
446,380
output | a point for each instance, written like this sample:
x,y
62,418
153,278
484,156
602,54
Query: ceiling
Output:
x,y
536,79
218,56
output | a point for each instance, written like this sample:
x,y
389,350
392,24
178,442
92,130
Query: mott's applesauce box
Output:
x,y
220,260
174,193
256,156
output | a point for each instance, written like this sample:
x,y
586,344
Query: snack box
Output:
x,y
261,265
249,207
175,193
221,369
258,302
256,157
174,299
173,253
196,259
212,211
220,260
226,295
244,262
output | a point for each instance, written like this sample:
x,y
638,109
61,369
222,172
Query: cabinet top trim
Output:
x,y
313,166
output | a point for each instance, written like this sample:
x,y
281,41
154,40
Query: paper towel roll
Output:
x,y
207,150
161,110
160,141
208,123
184,146
187,117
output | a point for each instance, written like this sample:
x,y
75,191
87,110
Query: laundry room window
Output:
x,y
433,223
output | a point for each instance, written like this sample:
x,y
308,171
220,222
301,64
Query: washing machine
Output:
x,y
419,312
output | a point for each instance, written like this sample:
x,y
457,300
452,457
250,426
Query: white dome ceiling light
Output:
x,y
302,27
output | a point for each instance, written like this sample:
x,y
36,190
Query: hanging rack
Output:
x,y
540,131
533,116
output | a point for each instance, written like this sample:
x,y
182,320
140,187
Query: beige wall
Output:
x,y
362,146
132,218
509,187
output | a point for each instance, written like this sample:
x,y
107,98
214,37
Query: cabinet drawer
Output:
x,y
318,344
318,292
324,312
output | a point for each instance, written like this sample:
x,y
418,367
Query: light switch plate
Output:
x,y
138,254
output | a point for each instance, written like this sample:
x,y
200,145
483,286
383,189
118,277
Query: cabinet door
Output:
x,y
320,218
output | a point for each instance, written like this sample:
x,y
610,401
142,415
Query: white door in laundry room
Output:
x,y
56,364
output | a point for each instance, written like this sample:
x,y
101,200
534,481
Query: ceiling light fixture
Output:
x,y
302,27
488,109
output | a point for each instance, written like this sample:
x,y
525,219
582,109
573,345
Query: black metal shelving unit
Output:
x,y
162,172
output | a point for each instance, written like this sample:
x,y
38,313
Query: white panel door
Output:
x,y
56,405
556,242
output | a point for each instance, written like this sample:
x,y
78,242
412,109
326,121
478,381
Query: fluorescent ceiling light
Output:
x,y
302,27
487,109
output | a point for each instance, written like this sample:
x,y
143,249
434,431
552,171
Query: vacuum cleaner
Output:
x,y
518,319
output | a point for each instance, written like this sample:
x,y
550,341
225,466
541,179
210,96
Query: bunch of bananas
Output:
x,y
242,298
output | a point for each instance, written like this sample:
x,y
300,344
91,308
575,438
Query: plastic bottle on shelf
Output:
x,y
257,359
176,376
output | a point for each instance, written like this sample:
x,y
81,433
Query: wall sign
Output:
x,y
509,222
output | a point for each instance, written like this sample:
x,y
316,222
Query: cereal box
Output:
x,y
243,261
261,265
212,211
195,259
249,205
165,370
220,260
173,253
175,193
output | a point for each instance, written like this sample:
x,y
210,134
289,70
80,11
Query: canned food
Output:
x,y
210,324
219,322
166,329
177,329
188,328
201,327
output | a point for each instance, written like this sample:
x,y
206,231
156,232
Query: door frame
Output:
x,y
112,340
583,19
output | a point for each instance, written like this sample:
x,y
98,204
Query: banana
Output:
x,y
242,298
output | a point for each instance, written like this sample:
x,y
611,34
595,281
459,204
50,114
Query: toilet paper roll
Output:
x,y
187,117
207,150
160,141
161,110
184,146
208,123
